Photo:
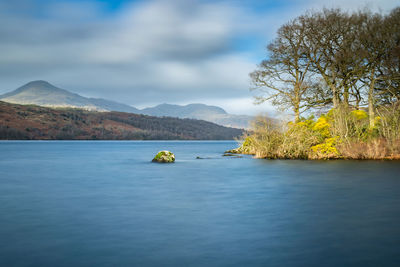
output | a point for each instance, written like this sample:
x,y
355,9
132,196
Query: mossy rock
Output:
x,y
232,155
229,154
164,157
233,151
245,148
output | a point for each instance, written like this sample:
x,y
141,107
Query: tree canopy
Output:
x,y
333,59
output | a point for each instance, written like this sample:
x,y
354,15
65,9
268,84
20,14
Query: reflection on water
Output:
x,y
105,204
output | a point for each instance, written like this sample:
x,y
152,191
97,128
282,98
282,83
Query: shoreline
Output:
x,y
388,158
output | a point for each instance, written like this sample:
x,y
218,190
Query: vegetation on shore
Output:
x,y
342,72
336,135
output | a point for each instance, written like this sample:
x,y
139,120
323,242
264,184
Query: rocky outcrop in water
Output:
x,y
164,157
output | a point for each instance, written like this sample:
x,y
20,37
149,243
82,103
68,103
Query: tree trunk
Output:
x,y
335,97
371,109
296,114
346,97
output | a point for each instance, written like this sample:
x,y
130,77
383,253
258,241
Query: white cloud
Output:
x,y
149,52
178,48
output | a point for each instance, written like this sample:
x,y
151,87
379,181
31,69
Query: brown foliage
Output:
x,y
375,149
34,122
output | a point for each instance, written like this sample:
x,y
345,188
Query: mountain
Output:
x,y
190,110
44,94
35,122
201,112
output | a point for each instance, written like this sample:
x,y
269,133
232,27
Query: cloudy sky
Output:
x,y
149,52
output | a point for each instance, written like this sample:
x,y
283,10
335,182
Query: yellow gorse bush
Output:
x,y
322,126
377,121
327,149
359,114
333,135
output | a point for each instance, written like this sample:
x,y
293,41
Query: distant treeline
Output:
x,y
346,65
34,122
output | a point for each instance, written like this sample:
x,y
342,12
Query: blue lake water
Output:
x,y
90,203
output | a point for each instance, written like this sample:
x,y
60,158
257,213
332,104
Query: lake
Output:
x,y
103,203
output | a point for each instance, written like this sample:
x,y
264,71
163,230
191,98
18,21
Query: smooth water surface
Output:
x,y
89,203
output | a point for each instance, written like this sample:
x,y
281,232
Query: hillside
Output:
x,y
34,122
201,112
42,93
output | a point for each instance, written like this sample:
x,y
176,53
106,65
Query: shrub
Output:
x,y
341,133
322,126
359,114
328,149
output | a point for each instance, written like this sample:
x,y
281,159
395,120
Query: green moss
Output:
x,y
245,148
164,157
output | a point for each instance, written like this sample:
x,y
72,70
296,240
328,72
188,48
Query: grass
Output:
x,y
339,134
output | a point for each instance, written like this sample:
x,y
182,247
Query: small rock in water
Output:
x,y
198,157
164,157
231,155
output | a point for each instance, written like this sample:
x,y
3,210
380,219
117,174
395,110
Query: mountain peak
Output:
x,y
43,93
39,82
39,85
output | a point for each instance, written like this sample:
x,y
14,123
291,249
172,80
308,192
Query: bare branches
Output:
x,y
286,71
332,58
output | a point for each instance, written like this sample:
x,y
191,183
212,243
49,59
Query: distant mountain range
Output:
x,y
42,93
200,112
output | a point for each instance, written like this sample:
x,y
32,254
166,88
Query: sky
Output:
x,y
145,53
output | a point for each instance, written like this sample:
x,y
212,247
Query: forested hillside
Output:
x,y
34,122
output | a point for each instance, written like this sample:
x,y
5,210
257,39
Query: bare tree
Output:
x,y
332,48
283,78
389,86
334,58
